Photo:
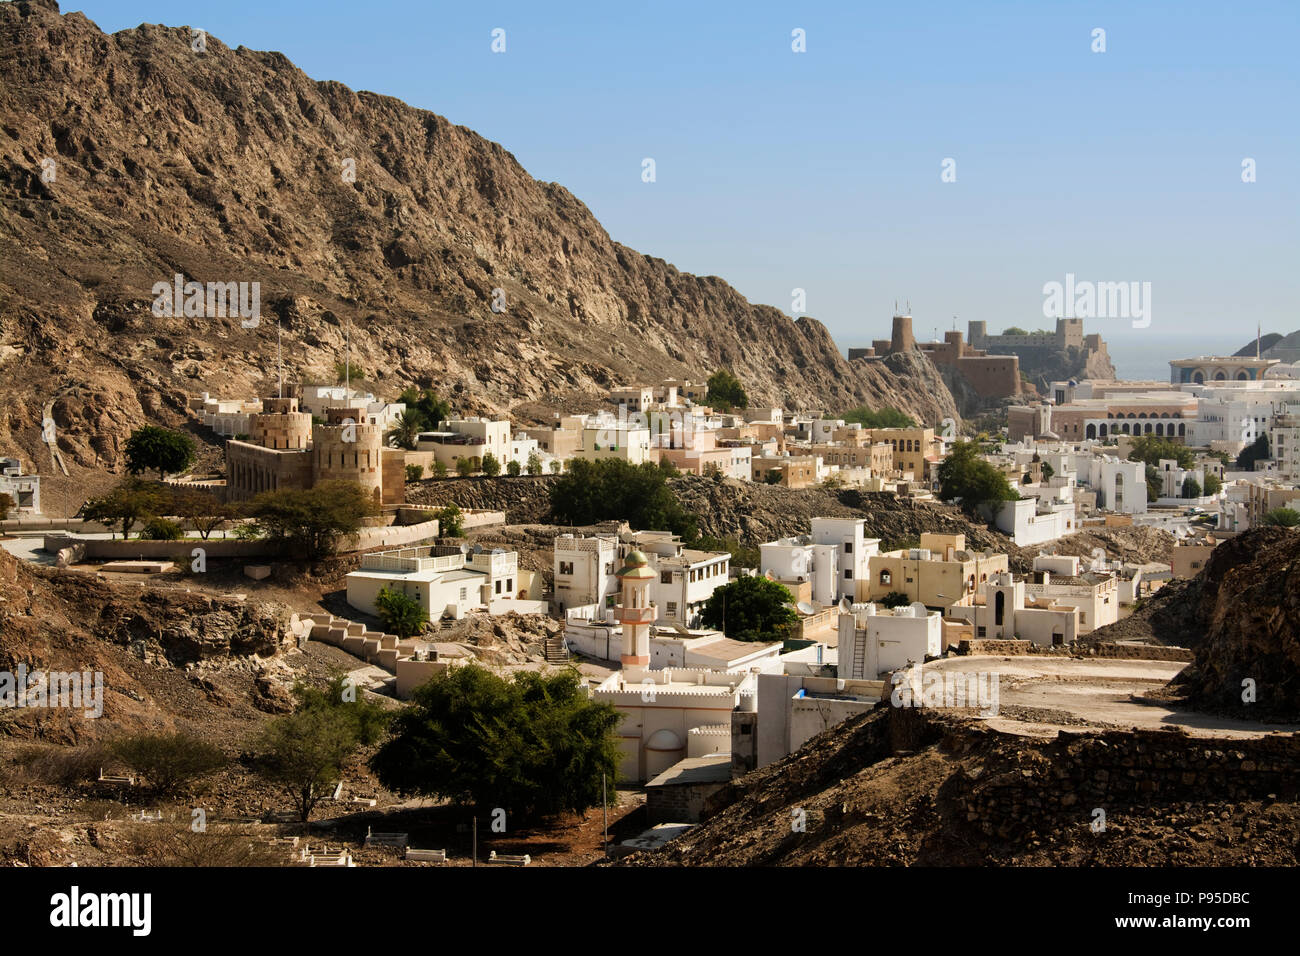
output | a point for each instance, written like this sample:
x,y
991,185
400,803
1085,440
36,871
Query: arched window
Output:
x,y
886,578
999,607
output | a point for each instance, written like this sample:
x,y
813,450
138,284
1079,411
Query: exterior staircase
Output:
x,y
554,649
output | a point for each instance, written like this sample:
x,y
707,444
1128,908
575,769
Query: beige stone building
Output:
x,y
286,450
939,573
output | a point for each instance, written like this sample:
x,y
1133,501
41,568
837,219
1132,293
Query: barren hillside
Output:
x,y
128,159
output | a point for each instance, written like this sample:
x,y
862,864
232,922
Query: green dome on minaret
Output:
x,y
636,567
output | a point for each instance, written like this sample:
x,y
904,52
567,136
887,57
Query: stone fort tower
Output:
x,y
280,425
349,450
901,339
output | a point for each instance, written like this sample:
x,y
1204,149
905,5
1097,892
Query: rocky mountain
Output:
x,y
129,159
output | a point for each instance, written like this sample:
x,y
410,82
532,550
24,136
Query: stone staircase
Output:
x,y
374,647
554,649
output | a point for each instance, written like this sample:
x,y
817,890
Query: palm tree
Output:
x,y
406,431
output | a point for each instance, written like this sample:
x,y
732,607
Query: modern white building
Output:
x,y
849,537
446,581
875,640
585,570
796,560
1120,485
1030,521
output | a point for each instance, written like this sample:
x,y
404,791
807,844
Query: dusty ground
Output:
x,y
1042,695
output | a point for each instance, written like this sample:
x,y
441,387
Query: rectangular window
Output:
x,y
982,631
498,587
665,577
672,608
848,547
463,594
848,573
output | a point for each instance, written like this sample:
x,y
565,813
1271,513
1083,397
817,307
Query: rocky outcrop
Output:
x,y
74,621
905,787
1248,604
128,159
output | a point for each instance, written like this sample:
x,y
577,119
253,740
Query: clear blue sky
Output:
x,y
821,170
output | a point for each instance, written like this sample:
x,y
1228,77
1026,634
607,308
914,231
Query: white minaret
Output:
x,y
636,613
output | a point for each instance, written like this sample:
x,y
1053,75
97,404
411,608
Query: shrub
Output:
x,y
414,472
450,521
161,529
513,469
169,762
402,615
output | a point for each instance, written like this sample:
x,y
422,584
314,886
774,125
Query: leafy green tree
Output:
x,y
1014,330
428,409
610,488
440,469
1282,518
742,555
513,469
340,695
534,463
451,523
878,418
153,447
304,753
1191,487
895,599
402,615
247,531
414,472
751,608
1213,484
965,475
1152,448
131,501
555,466
491,465
201,508
725,391
169,762
532,743
1258,451
466,466
312,518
